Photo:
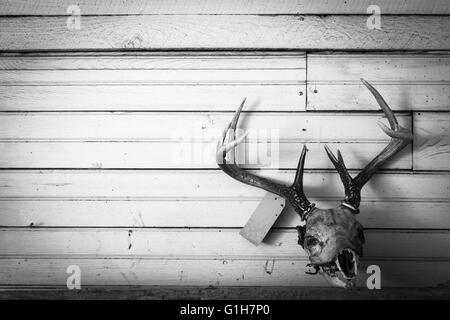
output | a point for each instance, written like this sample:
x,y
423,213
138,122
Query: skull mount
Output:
x,y
332,238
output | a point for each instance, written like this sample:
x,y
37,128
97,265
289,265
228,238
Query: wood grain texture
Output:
x,y
198,126
141,272
175,81
226,244
431,141
219,293
206,184
263,218
196,70
215,213
204,199
148,211
117,7
155,61
183,155
153,77
154,98
407,82
187,140
336,32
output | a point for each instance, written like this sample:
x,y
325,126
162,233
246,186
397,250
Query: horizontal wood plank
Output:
x,y
187,140
183,155
153,77
100,219
152,98
230,213
191,126
206,184
432,141
383,67
204,199
407,82
151,61
26,271
172,81
25,292
117,7
190,244
60,292
399,97
338,32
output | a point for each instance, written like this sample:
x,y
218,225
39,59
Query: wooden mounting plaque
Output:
x,y
263,218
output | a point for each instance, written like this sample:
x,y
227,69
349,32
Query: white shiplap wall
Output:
x,y
89,173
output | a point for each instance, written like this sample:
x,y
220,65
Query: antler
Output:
x,y
400,138
294,193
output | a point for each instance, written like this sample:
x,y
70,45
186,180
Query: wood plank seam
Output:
x,y
51,7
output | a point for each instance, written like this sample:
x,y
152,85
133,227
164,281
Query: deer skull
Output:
x,y
332,238
334,241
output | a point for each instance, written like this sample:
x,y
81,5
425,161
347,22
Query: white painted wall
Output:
x,y
90,141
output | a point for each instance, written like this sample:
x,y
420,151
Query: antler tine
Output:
x,y
297,197
351,195
234,170
294,194
383,105
231,131
298,180
396,131
400,138
339,164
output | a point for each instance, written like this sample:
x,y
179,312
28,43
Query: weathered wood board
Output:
x,y
263,218
328,32
116,7
187,140
181,61
172,82
264,272
190,244
108,134
60,292
204,199
432,141
407,81
212,184
143,98
206,212
170,154
161,126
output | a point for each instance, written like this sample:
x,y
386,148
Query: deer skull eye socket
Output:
x,y
346,261
311,241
